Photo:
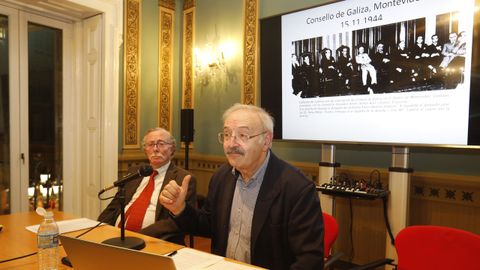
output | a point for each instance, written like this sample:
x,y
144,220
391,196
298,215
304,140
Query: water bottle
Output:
x,y
47,242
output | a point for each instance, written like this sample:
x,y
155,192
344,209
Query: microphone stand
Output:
x,y
129,242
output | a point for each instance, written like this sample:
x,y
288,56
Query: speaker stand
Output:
x,y
187,147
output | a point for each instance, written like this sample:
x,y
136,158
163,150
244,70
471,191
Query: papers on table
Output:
x,y
71,225
191,259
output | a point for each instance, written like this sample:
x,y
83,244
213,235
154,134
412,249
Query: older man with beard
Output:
x,y
143,212
259,209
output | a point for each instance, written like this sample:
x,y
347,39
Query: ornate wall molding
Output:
x,y
165,63
131,130
463,190
168,4
188,39
188,4
250,51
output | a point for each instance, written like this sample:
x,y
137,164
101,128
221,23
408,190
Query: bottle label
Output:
x,y
48,240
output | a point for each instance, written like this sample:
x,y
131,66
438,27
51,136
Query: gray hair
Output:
x,y
170,139
266,119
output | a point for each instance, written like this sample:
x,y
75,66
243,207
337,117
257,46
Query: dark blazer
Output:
x,y
287,225
163,227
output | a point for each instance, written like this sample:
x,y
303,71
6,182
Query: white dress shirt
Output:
x,y
149,218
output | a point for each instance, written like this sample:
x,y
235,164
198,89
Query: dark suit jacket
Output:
x,y
163,227
287,225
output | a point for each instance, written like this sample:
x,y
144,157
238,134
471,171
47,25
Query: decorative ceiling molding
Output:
x,y
188,39
165,64
250,51
131,130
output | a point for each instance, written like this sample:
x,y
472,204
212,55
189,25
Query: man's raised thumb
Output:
x,y
185,182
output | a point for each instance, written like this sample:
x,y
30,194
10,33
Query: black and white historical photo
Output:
x,y
415,55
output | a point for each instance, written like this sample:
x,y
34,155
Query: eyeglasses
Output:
x,y
159,143
242,137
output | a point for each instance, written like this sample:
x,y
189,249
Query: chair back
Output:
x,y
437,247
330,233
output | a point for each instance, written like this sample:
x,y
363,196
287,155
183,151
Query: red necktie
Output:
x,y
136,212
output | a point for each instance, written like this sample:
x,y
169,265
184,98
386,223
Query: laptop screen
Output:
x,y
86,255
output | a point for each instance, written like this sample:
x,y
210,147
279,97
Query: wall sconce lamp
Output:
x,y
211,61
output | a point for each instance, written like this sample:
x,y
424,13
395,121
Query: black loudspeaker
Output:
x,y
186,123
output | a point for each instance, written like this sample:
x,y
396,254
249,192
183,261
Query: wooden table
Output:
x,y
17,241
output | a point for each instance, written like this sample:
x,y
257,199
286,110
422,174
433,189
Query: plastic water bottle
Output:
x,y
47,242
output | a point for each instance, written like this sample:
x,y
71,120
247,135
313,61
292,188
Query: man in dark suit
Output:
x,y
402,67
309,74
159,147
434,50
259,209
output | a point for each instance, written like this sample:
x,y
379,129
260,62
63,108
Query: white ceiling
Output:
x,y
57,9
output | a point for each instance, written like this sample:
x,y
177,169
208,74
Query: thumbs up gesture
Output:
x,y
173,196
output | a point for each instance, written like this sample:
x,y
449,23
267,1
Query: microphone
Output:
x,y
143,171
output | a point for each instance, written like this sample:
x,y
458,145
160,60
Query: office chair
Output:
x,y
425,247
436,247
330,235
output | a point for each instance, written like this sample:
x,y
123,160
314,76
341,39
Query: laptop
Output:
x,y
86,255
